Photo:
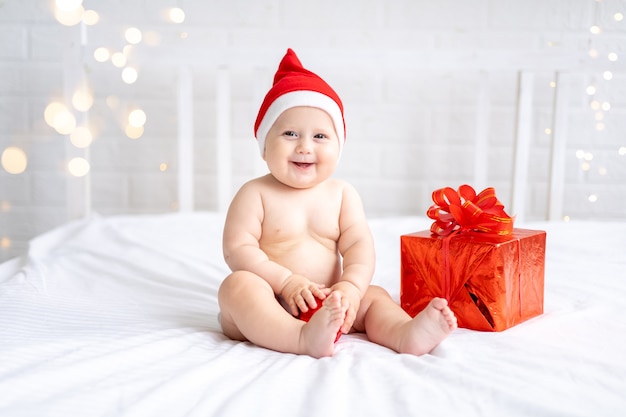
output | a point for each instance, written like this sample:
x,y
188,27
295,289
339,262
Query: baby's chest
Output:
x,y
308,213
297,223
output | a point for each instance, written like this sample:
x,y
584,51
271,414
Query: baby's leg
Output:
x,y
386,323
249,311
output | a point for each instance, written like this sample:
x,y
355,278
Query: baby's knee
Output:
x,y
374,292
232,282
229,286
237,282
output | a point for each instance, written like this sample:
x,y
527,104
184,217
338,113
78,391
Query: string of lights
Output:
x,y
598,90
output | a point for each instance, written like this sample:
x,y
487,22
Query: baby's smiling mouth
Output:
x,y
303,164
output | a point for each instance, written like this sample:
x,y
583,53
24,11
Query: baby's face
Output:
x,y
302,148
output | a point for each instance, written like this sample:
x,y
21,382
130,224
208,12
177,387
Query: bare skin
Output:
x,y
318,335
297,234
428,328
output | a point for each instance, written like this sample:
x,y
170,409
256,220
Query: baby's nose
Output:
x,y
304,146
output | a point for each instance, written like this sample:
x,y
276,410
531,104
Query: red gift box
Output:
x,y
491,274
495,282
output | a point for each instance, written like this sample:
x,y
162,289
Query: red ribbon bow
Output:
x,y
464,211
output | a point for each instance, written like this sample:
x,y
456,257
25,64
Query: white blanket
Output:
x,y
118,317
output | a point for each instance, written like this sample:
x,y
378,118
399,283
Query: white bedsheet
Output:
x,y
118,316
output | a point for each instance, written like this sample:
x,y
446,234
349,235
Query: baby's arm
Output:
x,y
356,246
242,232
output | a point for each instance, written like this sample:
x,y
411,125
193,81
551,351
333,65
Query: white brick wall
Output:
x,y
410,130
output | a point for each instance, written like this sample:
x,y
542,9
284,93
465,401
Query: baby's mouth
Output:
x,y
303,164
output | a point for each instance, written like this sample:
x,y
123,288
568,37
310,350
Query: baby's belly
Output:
x,y
310,259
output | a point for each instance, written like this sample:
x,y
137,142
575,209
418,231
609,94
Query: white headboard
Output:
x,y
562,66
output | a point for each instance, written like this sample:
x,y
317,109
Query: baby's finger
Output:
x,y
293,308
309,298
346,326
320,293
300,304
349,320
326,292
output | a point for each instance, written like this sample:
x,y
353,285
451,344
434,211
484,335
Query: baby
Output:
x,y
298,240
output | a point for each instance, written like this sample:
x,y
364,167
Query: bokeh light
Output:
x,y
101,54
64,122
91,17
113,102
137,118
69,18
82,100
81,137
78,167
118,59
133,132
60,118
176,15
68,5
14,160
129,75
132,35
52,110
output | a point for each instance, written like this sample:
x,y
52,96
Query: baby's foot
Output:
x,y
318,335
428,328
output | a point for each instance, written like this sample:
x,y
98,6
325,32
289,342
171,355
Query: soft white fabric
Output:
x,y
118,317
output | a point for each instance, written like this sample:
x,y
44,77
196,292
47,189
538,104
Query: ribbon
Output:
x,y
464,211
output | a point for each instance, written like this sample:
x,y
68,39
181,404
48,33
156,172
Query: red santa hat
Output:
x,y
296,86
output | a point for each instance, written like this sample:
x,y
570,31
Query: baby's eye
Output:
x,y
320,136
290,133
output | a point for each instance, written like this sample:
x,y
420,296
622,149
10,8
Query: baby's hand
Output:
x,y
299,293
